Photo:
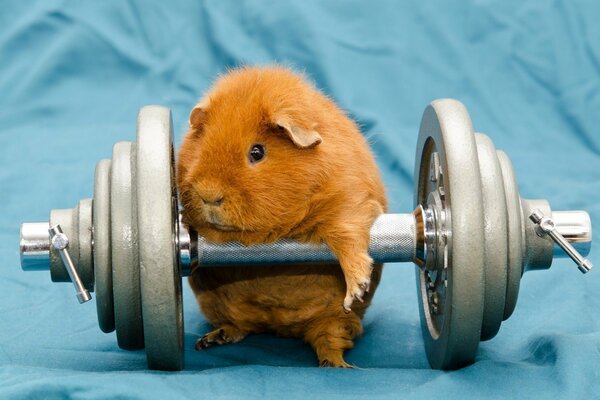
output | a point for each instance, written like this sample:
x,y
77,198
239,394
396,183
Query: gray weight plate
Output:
x,y
124,250
85,260
159,265
102,254
452,337
538,250
76,224
496,234
69,222
516,236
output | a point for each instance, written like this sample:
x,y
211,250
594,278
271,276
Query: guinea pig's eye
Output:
x,y
257,153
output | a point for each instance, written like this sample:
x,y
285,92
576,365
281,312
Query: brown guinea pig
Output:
x,y
268,156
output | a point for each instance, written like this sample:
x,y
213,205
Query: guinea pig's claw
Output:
x,y
212,338
356,294
347,304
224,335
202,343
334,364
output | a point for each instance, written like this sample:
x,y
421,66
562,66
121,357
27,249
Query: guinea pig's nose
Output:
x,y
209,193
212,201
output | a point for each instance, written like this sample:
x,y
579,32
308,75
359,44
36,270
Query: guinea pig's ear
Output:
x,y
302,138
198,115
197,118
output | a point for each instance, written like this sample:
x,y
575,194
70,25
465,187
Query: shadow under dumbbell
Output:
x,y
264,349
375,349
391,339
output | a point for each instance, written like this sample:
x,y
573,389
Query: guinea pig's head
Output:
x,y
252,158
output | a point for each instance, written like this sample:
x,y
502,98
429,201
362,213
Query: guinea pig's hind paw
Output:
x,y
226,334
203,343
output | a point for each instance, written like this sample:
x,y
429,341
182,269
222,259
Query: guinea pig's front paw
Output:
x,y
355,291
358,279
224,335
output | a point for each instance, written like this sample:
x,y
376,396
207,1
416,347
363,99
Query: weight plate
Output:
x,y
452,335
124,250
496,234
68,221
76,224
516,236
159,263
538,251
85,261
102,261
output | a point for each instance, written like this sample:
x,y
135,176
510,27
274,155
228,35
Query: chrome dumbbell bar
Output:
x,y
394,239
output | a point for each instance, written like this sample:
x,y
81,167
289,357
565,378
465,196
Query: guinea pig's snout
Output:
x,y
213,205
212,201
210,196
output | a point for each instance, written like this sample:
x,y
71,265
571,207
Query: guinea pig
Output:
x,y
267,156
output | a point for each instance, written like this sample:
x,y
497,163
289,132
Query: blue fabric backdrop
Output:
x,y
74,73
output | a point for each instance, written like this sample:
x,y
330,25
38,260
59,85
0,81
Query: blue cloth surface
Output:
x,y
73,75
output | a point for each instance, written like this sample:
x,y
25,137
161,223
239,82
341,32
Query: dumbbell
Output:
x,y
470,235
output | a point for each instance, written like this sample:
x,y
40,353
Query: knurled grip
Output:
x,y
393,239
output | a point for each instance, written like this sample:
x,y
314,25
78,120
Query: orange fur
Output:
x,y
318,182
